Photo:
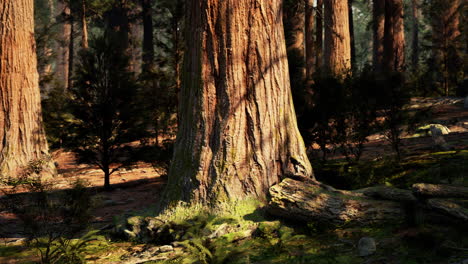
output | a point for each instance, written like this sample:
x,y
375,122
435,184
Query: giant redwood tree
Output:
x,y
22,138
238,134
337,54
394,37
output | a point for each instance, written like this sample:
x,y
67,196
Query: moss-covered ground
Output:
x,y
247,234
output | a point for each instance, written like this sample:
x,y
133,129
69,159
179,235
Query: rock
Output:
x,y
109,202
366,246
427,129
438,138
466,103
166,248
220,231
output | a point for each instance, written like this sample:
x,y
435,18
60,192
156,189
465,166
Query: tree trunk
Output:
x,y
148,45
446,41
310,41
319,34
378,25
22,137
394,37
71,52
293,18
63,45
337,55
415,40
238,134
84,26
351,34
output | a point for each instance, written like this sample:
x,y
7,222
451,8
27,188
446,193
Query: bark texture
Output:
x,y
378,25
308,200
22,137
84,26
337,55
394,36
238,133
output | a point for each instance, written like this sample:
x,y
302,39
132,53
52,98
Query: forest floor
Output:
x,y
136,189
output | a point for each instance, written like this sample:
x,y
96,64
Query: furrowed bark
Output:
x,y
22,137
238,133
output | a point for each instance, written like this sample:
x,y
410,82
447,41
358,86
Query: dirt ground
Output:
x,y
138,187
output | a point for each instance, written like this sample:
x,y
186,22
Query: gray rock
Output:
x,y
438,138
109,203
166,248
366,246
466,103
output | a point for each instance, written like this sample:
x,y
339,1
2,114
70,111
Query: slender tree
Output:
x,y
22,138
415,41
319,34
310,40
63,44
84,25
238,134
148,43
293,18
378,25
337,53
394,36
351,33
446,42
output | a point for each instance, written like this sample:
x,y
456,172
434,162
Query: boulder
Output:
x,y
366,246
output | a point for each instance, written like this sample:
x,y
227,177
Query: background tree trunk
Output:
x,y
378,25
319,34
415,40
22,137
310,40
337,53
63,45
238,134
351,33
394,36
293,18
84,26
148,44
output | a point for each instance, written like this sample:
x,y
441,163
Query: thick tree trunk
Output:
x,y
22,138
148,45
415,40
319,34
351,34
238,133
337,55
378,25
394,37
310,40
63,45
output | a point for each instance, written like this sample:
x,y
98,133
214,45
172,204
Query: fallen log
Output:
x,y
453,208
439,190
308,200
